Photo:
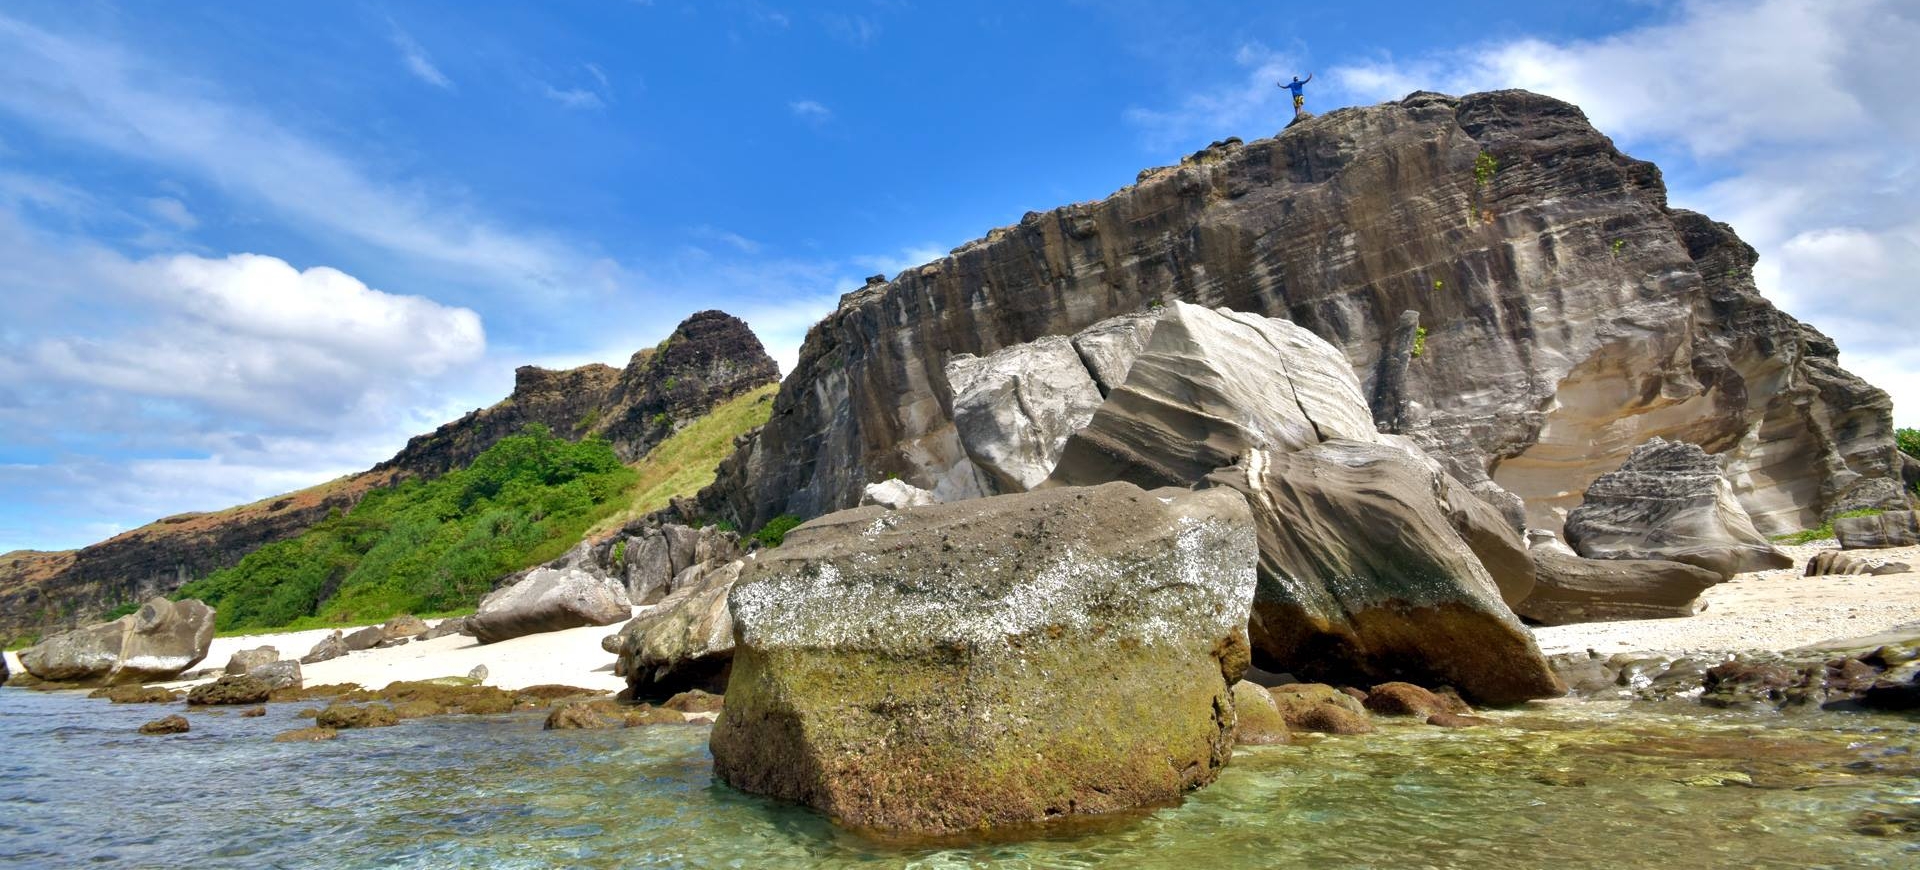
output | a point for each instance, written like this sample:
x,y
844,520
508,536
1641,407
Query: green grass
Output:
x,y
425,546
1825,530
684,464
774,533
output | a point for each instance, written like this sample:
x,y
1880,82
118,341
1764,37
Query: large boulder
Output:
x,y
1108,348
684,642
244,661
991,662
1570,588
152,644
1014,408
549,599
1669,502
329,648
1878,532
1211,385
1364,580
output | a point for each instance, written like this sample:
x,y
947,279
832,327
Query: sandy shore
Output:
x,y
1772,610
572,657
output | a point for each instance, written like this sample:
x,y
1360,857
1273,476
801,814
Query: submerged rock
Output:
x,y
549,599
152,644
340,715
167,725
1363,578
1669,502
306,735
990,662
230,690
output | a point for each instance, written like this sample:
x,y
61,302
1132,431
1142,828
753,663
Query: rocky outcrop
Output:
x,y
991,662
1364,580
1878,532
154,643
230,691
1570,315
549,599
1013,409
1570,588
1669,502
711,357
683,642
650,557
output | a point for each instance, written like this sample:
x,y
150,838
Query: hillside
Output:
x,y
709,359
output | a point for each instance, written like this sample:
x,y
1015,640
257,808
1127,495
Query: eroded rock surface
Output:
x,y
1669,502
1883,531
1014,408
1570,315
549,599
683,642
995,661
157,642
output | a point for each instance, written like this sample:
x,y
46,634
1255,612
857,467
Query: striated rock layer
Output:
x,y
1570,315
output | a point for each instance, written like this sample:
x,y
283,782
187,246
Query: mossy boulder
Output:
x,y
306,735
230,690
1321,708
992,662
167,725
1407,699
341,715
135,695
1259,722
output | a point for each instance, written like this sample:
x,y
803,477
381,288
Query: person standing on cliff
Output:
x,y
1298,86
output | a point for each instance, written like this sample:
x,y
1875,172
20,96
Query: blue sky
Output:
x,y
248,247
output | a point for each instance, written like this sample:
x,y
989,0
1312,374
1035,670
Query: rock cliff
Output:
x,y
710,357
1570,315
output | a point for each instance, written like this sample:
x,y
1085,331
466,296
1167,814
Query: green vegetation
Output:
x,y
1825,530
1616,246
1484,168
684,463
774,533
662,420
426,546
1439,285
1419,340
1908,440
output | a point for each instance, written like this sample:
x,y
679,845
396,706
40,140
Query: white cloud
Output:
x,y
1250,100
1800,116
102,97
810,111
416,60
172,211
573,98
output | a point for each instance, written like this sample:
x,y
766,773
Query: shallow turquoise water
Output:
x,y
1566,787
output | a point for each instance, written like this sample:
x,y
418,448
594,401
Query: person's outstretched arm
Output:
x,y
1307,79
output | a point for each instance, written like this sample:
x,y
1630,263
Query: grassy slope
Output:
x,y
685,463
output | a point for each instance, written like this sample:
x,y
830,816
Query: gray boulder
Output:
x,y
1879,532
1108,348
1210,386
365,638
896,494
1570,588
683,642
549,599
648,567
155,643
1015,407
404,626
446,627
1669,502
990,662
246,660
330,647
1364,580
1839,562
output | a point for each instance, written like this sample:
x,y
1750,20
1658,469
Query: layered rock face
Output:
x,y
1570,588
156,642
1890,529
1668,502
990,662
1570,315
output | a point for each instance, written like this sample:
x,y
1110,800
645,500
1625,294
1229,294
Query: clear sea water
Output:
x,y
1563,787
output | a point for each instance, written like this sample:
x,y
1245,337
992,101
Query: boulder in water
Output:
x,y
549,599
1257,720
230,690
175,724
152,644
994,661
1669,502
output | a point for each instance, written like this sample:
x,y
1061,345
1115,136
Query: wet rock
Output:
x,y
230,691
246,660
278,675
585,716
1585,674
1745,683
1015,408
549,599
1890,529
418,708
152,644
306,735
1363,578
1258,720
330,647
167,725
341,716
883,655
1669,502
253,713
1570,588
139,695
1406,699
696,701
1320,708
1839,562
1458,720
